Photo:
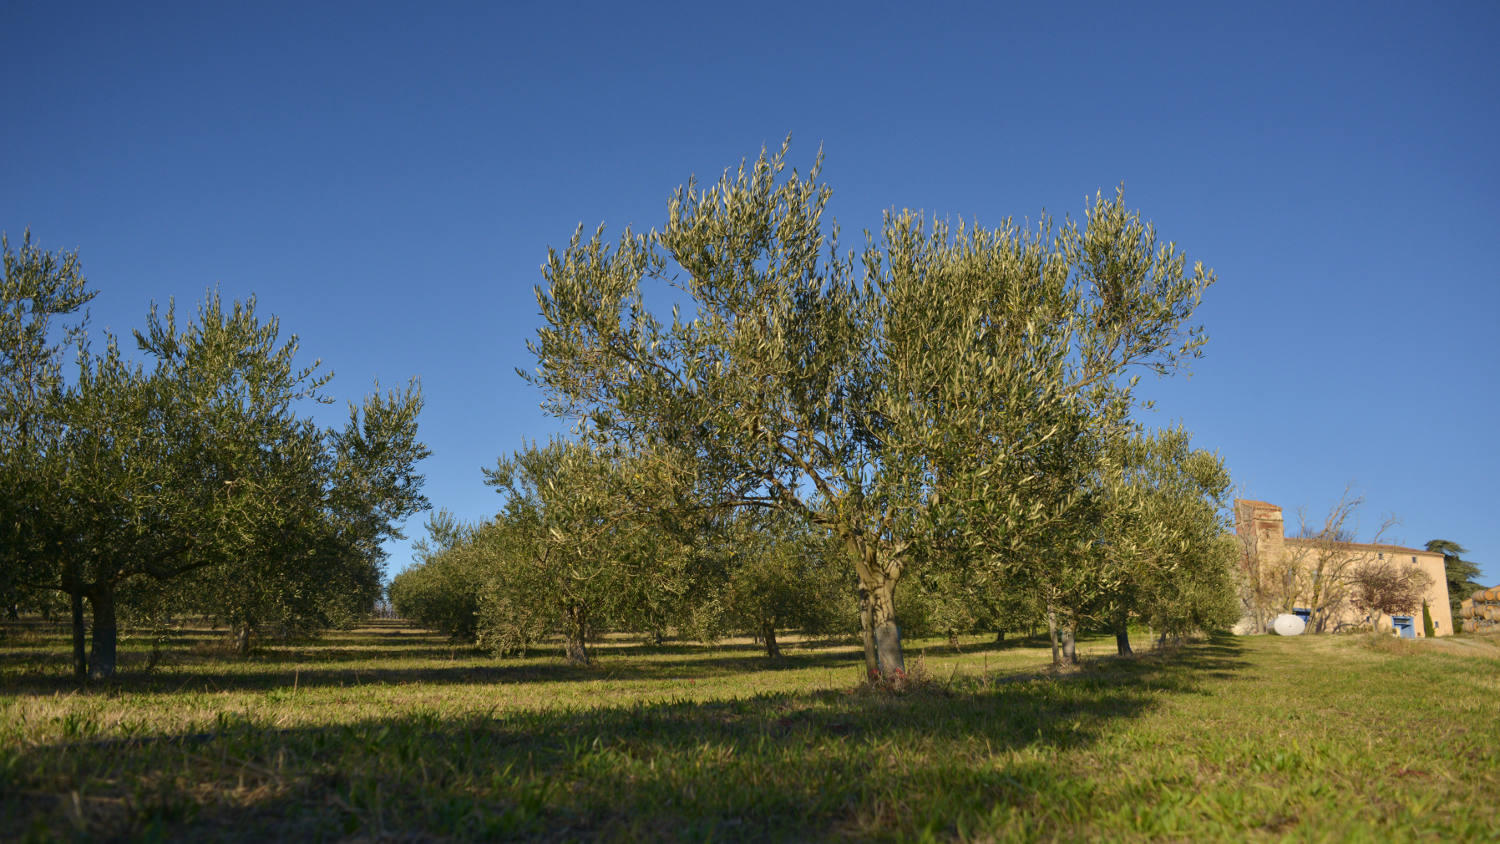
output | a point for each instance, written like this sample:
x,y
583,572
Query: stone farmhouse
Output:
x,y
1316,577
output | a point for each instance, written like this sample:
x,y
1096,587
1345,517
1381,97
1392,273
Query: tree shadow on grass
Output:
x,y
428,664
990,646
198,647
50,675
250,675
202,660
937,760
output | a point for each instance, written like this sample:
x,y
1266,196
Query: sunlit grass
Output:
x,y
392,732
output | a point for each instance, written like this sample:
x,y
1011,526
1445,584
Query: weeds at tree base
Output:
x,y
916,680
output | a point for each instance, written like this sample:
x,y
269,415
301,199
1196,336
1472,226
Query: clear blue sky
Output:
x,y
387,177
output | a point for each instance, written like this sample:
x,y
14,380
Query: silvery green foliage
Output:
x,y
287,517
579,546
195,483
42,300
441,590
927,384
1165,555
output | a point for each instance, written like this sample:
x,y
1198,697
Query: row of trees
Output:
x,y
951,407
591,539
191,482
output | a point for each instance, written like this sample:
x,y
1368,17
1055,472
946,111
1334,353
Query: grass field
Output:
x,y
391,733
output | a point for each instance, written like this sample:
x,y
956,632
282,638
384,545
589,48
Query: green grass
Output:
x,y
387,732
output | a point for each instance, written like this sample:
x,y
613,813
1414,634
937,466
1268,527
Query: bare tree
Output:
x,y
1321,567
1383,587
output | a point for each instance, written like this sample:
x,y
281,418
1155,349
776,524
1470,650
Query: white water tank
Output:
x,y
1287,624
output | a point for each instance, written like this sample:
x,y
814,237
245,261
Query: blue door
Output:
x,y
1404,626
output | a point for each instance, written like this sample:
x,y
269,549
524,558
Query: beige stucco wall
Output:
x,y
1431,564
1438,602
1262,527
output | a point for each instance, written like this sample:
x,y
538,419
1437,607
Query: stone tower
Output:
x,y
1260,524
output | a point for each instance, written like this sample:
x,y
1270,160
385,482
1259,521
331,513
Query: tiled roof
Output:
x,y
1368,546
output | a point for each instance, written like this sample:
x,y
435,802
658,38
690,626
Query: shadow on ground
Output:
x,y
429,668
856,764
395,655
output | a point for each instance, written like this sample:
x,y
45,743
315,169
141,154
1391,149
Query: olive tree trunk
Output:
x,y
1052,636
242,638
575,646
106,633
867,635
1122,634
877,611
768,634
80,636
881,633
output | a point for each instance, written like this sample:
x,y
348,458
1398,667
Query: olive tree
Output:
x,y
288,517
781,575
441,590
861,393
1163,552
196,483
576,542
42,300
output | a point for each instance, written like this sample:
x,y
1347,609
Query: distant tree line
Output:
x,y
192,482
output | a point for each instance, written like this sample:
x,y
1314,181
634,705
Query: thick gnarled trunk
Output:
x,y
881,633
877,610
